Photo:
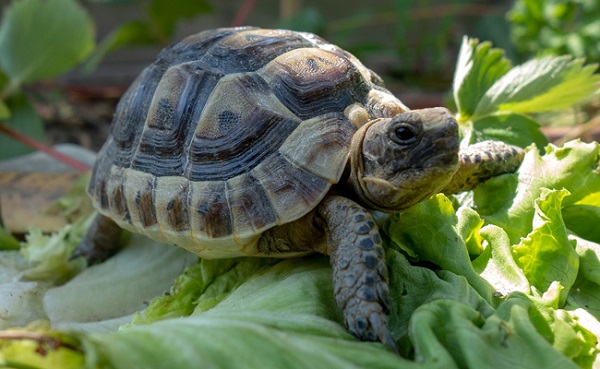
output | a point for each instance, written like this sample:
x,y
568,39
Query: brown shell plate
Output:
x,y
231,132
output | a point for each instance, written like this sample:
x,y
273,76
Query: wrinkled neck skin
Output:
x,y
390,179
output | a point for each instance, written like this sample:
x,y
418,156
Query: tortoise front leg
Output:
x,y
100,241
360,275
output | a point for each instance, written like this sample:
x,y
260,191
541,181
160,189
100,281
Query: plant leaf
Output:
x,y
583,220
42,39
412,230
510,338
546,254
4,111
478,67
546,84
508,200
7,240
24,119
496,263
514,129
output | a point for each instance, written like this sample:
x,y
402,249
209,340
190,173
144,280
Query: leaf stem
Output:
x,y
53,343
65,159
243,12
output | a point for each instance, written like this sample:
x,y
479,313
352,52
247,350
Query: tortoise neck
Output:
x,y
355,171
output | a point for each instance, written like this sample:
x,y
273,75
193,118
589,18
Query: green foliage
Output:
x,y
496,101
39,40
478,68
42,39
7,240
557,27
24,119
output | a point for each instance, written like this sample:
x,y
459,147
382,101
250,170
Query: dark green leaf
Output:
x,y
24,119
514,129
4,111
42,39
7,240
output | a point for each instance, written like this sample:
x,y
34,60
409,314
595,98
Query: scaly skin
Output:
x,y
360,275
100,242
482,161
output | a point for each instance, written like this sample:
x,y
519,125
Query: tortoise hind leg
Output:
x,y
100,242
360,276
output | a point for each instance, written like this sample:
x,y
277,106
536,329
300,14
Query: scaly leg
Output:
x,y
360,275
100,242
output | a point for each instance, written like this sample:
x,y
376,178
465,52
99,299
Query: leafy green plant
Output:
x,y
504,276
557,27
39,40
496,101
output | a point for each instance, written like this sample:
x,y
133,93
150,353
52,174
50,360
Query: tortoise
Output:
x,y
256,142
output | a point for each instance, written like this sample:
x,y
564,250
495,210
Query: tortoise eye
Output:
x,y
404,135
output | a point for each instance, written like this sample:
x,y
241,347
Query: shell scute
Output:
x,y
210,214
313,81
320,145
176,105
250,206
240,125
291,190
172,205
249,50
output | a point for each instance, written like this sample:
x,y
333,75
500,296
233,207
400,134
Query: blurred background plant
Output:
x,y
65,63
557,27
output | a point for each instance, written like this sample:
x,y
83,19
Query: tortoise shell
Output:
x,y
231,132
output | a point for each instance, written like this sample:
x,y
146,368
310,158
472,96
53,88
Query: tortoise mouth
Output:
x,y
414,186
391,176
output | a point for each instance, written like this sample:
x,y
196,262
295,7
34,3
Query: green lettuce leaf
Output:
x,y
497,265
117,288
584,293
583,220
508,200
507,339
283,316
546,254
429,232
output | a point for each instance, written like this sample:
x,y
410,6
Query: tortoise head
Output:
x,y
400,161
